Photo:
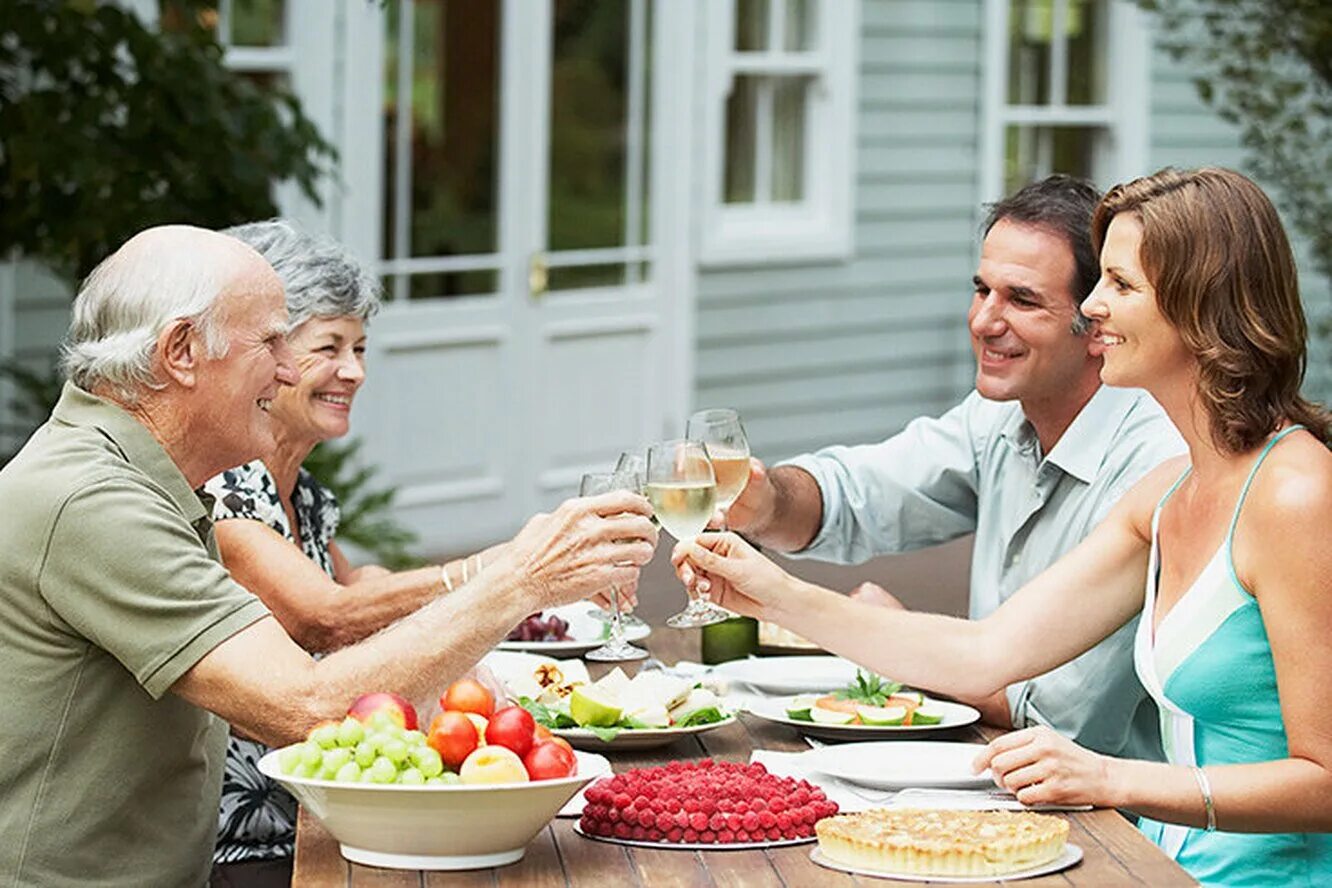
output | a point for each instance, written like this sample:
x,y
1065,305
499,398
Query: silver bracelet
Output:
x,y
1205,786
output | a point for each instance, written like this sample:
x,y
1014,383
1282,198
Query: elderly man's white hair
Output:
x,y
158,276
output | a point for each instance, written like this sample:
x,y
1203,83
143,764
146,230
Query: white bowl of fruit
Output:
x,y
471,792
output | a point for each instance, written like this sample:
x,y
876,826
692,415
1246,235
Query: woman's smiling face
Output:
x,y
330,356
1138,344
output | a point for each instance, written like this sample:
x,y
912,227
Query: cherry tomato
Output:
x,y
513,727
468,695
453,736
549,760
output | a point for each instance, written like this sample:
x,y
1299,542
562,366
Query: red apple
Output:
x,y
511,727
468,695
397,707
493,764
549,760
454,737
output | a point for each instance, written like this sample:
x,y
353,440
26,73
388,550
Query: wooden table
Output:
x,y
1115,853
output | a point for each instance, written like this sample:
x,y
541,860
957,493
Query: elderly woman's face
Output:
x,y
330,356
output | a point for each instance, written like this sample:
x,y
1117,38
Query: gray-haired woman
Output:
x,y
275,525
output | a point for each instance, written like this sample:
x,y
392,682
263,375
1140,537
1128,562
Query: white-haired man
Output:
x,y
120,632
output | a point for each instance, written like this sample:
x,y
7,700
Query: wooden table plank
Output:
x,y
1115,852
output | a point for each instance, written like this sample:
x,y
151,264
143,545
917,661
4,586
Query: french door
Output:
x,y
513,166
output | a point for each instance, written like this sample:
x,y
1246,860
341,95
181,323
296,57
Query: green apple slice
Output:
x,y
881,715
799,707
924,717
830,716
591,706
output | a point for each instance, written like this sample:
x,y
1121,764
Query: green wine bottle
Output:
x,y
732,639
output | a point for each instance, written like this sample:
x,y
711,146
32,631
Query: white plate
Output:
x,y
955,715
585,628
635,738
899,764
1072,854
789,675
693,846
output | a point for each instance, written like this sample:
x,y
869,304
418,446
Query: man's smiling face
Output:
x,y
1022,317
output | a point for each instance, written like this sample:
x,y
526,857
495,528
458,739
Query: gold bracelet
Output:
x,y
444,576
1205,786
464,563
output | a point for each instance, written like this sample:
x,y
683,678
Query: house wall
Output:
x,y
848,352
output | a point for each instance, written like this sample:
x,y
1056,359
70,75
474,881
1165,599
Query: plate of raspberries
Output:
x,y
704,804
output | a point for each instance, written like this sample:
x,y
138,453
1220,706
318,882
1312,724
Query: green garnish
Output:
x,y
704,716
868,689
547,716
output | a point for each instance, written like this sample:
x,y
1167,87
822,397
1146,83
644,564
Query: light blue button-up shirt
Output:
x,y
979,469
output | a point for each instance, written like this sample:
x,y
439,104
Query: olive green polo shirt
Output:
x,y
110,590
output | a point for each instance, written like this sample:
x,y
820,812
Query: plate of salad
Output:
x,y
616,712
870,707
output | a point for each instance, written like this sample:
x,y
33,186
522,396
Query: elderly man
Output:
x,y
126,646
1029,462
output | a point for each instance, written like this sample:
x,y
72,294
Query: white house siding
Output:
x,y
1186,133
850,351
34,314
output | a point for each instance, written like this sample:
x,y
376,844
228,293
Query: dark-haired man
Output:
x,y
1029,462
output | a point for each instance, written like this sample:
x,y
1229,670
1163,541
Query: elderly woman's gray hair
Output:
x,y
321,278
159,276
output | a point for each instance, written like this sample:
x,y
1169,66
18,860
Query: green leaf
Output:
x,y
704,716
547,716
868,689
604,734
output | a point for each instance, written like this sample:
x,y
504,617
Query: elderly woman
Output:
x,y
1224,554
276,524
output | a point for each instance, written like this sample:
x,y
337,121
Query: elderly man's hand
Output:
x,y
584,547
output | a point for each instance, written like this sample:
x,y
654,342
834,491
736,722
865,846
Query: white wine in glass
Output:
x,y
683,491
616,648
724,439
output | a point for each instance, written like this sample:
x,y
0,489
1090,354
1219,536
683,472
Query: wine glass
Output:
x,y
615,649
632,462
683,491
724,440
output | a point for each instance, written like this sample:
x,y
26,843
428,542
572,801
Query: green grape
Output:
x,y
290,758
413,738
383,770
395,751
428,761
365,753
307,771
450,777
434,781
379,739
412,777
348,773
326,773
325,735
381,720
350,732
334,759
311,753
367,776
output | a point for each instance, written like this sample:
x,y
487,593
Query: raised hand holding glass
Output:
x,y
683,491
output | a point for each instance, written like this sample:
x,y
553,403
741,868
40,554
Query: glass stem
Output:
x,y
617,629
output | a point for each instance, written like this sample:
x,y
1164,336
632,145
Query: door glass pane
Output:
x,y
741,130
1087,28
1033,153
1030,26
799,26
424,285
751,25
788,138
258,22
441,129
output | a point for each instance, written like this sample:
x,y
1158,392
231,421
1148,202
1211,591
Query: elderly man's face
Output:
x,y
236,390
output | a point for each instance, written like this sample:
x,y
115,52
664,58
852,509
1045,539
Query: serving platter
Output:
x,y
901,764
1072,854
955,715
789,675
693,846
635,738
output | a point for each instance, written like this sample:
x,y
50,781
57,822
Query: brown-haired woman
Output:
x,y
1223,552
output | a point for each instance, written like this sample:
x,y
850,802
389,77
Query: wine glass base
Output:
x,y
628,621
611,652
695,618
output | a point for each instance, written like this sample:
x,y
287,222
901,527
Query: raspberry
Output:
x,y
776,804
621,831
725,837
717,822
653,835
734,821
707,837
622,800
750,822
742,836
691,805
783,821
690,835
758,804
613,815
641,801
664,822
741,807
698,820
774,834
638,833
767,819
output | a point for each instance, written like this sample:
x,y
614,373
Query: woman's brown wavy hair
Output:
x,y
1214,249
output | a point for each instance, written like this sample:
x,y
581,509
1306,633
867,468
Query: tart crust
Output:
x,y
942,843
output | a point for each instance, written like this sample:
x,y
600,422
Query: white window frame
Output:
x,y
1124,117
819,227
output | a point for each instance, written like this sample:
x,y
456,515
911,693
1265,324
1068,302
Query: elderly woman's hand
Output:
x,y
736,576
584,547
1042,767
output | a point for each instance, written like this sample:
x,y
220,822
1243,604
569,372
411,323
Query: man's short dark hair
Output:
x,y
1062,205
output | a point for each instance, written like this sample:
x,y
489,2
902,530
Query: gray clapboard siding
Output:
x,y
849,352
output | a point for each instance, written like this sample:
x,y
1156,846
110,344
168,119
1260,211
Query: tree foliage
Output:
x,y
1266,66
108,127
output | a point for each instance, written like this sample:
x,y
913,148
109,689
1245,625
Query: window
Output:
x,y
779,144
1053,103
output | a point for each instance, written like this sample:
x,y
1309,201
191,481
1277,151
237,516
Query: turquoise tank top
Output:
x,y
1210,671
